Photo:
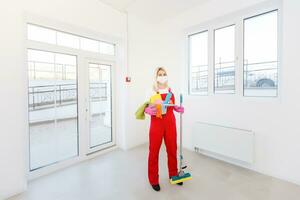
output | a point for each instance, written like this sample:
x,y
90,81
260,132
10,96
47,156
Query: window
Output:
x,y
106,48
198,44
224,53
68,40
47,35
89,45
243,52
41,34
52,106
260,55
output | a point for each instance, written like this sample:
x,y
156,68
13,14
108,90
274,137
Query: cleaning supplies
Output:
x,y
161,105
139,114
166,101
182,176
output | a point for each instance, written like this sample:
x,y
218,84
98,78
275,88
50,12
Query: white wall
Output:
x,y
274,120
146,53
141,42
89,15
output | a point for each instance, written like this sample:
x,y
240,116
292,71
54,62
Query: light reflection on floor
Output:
x,y
50,142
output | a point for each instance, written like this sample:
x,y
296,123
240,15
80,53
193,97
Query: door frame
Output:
x,y
82,56
83,114
100,147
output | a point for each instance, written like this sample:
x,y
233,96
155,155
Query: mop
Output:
x,y
182,176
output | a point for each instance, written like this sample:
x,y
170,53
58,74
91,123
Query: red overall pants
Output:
x,y
160,129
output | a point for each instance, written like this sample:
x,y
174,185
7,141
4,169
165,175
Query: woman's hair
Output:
x,y
155,85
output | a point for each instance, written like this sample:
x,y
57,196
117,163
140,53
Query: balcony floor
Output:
x,y
52,142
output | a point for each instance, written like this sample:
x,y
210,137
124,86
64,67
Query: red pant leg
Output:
x,y
170,138
155,139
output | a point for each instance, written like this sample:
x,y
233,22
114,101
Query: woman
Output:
x,y
163,127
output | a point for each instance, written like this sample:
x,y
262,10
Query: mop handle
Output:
x,y
181,157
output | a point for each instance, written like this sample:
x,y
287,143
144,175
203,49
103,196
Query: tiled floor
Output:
x,y
123,175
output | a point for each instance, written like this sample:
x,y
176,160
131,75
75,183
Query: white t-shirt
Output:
x,y
164,91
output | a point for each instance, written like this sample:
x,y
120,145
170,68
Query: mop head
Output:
x,y
180,178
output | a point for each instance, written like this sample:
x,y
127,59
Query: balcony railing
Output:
x,y
48,96
260,75
199,78
225,75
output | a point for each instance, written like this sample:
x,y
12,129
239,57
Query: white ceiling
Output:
x,y
121,5
153,10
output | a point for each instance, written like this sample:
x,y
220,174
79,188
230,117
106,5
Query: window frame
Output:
x,y
80,38
234,60
205,93
236,18
33,170
278,53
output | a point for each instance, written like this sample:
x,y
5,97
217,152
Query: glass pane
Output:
x,y
100,104
106,48
199,63
41,34
66,111
224,53
52,107
89,45
67,40
260,55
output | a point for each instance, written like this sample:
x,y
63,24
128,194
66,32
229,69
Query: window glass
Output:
x,y
51,36
260,55
52,106
106,48
224,52
41,34
89,45
67,40
198,56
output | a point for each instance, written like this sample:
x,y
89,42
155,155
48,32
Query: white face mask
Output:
x,y
162,79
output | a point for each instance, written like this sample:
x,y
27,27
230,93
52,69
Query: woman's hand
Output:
x,y
150,110
179,109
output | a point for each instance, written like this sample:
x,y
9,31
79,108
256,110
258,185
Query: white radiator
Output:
x,y
230,142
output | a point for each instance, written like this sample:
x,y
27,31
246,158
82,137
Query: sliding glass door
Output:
x,y
53,118
69,96
53,107
100,106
